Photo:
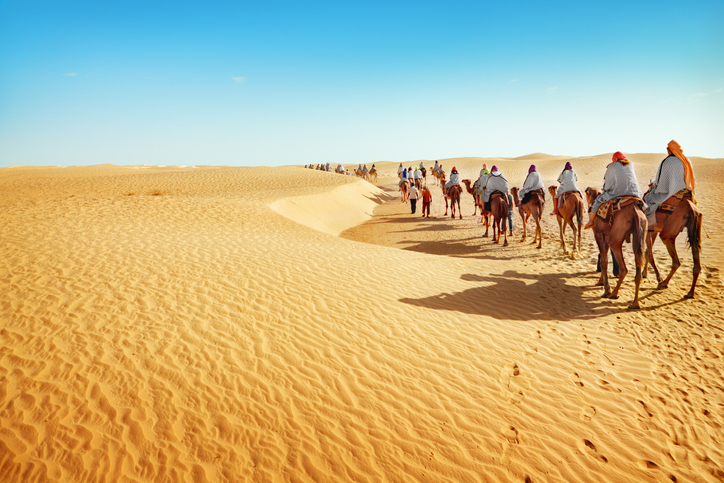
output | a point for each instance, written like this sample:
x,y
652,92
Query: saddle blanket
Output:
x,y
607,209
672,202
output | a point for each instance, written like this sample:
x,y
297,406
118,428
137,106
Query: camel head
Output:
x,y
552,190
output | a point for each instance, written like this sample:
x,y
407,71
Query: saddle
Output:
x,y
527,196
672,202
608,209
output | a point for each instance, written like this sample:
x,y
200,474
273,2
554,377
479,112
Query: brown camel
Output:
x,y
424,175
404,190
499,209
471,191
439,176
669,223
627,220
533,207
373,175
453,194
571,206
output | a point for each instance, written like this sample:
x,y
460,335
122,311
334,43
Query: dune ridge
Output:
x,y
201,324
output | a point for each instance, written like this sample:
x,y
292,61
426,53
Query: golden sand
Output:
x,y
287,324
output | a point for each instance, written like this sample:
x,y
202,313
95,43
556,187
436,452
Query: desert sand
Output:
x,y
287,324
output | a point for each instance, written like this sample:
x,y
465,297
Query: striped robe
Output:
x,y
669,181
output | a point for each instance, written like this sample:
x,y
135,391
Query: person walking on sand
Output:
x,y
426,201
414,195
675,174
619,180
566,183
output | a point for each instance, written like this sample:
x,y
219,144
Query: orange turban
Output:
x,y
619,156
675,148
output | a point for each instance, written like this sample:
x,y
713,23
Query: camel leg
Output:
x,y
603,250
697,270
639,236
460,211
505,232
445,207
538,232
650,240
523,217
562,230
617,249
670,243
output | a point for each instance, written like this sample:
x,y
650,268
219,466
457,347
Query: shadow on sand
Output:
x,y
511,295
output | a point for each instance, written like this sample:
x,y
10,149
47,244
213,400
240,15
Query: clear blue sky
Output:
x,y
274,83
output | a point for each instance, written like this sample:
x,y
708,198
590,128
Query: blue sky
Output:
x,y
276,83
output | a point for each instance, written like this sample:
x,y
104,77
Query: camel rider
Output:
x,y
364,169
422,165
399,171
436,168
675,174
566,183
454,179
417,174
532,183
619,180
480,182
495,182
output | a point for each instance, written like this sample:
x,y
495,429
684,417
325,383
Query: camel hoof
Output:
x,y
613,297
634,306
506,243
690,295
662,286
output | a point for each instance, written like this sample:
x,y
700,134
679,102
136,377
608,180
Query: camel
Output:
x,y
533,207
668,226
499,209
471,191
373,175
454,194
478,202
572,207
439,176
405,190
628,219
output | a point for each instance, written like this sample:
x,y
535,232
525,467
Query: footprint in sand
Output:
x,y
590,449
607,385
511,434
576,379
588,413
516,398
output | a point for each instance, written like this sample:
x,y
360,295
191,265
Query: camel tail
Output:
x,y
693,228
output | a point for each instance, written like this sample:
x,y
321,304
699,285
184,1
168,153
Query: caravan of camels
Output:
x,y
618,213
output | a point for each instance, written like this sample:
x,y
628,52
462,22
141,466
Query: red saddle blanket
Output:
x,y
672,202
610,207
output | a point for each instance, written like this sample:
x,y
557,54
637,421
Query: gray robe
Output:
x,y
496,182
567,182
454,179
619,180
669,181
532,182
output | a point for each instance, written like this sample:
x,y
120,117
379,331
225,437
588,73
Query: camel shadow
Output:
x,y
511,296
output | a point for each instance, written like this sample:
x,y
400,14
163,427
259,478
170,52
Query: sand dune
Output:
x,y
285,324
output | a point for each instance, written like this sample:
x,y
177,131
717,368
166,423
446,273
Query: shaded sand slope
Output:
x,y
167,324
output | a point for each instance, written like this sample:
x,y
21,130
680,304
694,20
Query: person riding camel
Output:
x,y
454,179
365,170
480,182
422,165
399,170
566,183
436,168
417,175
675,174
532,183
619,180
495,182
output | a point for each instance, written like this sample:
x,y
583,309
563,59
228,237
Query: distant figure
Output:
x,y
400,169
426,201
566,183
454,179
414,194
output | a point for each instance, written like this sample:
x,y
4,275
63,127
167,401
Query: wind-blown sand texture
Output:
x,y
210,324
